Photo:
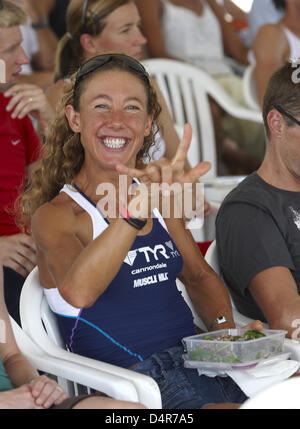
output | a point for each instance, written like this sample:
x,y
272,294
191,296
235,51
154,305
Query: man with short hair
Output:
x,y
19,150
258,224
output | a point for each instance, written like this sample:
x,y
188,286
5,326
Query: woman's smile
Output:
x,y
114,143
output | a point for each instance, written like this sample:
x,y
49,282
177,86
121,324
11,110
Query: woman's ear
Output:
x,y
73,118
148,125
87,42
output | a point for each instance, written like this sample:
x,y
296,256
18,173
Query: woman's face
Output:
x,y
122,33
113,118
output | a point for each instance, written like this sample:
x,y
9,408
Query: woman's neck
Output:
x,y
107,184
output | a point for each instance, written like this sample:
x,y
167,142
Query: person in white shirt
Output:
x,y
262,12
285,36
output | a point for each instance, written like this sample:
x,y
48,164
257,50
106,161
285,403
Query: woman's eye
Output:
x,y
132,107
125,31
100,106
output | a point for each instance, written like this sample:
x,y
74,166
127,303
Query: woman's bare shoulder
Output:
x,y
54,218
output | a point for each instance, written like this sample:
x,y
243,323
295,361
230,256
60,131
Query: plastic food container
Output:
x,y
198,348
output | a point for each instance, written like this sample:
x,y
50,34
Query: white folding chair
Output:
x,y
249,88
40,325
211,257
186,90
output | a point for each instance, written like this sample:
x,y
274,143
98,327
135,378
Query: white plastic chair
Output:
x,y
39,322
40,325
186,89
211,257
249,88
72,371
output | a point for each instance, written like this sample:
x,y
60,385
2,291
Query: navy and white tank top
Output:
x,y
141,312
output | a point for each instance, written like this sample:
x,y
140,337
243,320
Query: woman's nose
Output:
x,y
116,117
139,38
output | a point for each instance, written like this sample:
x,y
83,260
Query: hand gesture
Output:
x,y
168,174
29,99
46,392
18,252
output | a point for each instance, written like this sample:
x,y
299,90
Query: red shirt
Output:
x,y
19,147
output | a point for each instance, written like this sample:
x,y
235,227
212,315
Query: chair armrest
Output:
x,y
112,385
31,298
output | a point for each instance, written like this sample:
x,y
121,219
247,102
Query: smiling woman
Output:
x,y
95,269
117,116
107,26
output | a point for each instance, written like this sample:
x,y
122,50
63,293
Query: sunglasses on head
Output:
x,y
100,60
286,114
85,10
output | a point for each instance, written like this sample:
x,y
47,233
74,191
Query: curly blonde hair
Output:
x,y
63,155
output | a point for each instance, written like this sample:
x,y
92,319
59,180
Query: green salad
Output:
x,y
234,353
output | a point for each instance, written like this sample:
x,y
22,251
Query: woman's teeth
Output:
x,y
114,143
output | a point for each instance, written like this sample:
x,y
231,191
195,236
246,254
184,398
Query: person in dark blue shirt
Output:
x,y
108,260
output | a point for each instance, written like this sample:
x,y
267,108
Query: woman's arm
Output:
x,y
233,46
70,263
151,12
235,11
205,288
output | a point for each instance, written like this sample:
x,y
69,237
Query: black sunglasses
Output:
x,y
1,4
286,114
100,60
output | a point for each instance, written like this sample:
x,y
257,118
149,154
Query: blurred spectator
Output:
x,y
19,150
262,12
202,38
197,32
285,36
39,43
57,16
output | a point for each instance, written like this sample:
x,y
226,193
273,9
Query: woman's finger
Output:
x,y
184,145
196,172
146,175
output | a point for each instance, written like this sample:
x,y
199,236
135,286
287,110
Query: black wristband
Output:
x,y
133,221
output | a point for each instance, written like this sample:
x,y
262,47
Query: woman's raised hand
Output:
x,y
160,179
